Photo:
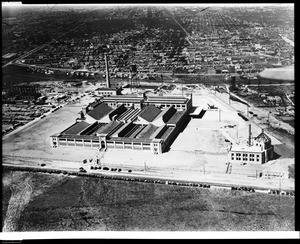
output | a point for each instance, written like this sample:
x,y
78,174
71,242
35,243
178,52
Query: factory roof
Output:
x,y
166,133
150,113
147,132
110,127
122,98
108,88
263,137
176,117
245,148
175,99
76,128
100,111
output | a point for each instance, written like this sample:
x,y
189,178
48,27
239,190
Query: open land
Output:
x,y
61,203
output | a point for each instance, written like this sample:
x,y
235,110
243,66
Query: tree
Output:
x,y
291,169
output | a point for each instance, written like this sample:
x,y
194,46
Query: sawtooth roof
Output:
x,y
76,128
100,111
150,113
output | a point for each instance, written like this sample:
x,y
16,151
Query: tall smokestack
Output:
x,y
107,72
249,139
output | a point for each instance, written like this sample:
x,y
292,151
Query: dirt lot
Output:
x,y
34,140
60,203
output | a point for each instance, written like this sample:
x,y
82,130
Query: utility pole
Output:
x,y
269,120
247,110
131,83
145,166
279,188
182,88
215,89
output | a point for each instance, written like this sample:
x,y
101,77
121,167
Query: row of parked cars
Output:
x,y
249,189
242,188
277,192
106,168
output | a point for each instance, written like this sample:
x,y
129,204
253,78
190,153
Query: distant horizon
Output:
x,y
20,4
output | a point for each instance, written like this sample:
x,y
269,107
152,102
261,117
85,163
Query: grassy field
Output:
x,y
60,203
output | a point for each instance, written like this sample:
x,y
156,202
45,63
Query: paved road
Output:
x,y
40,47
287,40
25,55
187,34
273,84
219,180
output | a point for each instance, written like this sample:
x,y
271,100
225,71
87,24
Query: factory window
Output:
x,y
245,156
251,157
232,156
238,156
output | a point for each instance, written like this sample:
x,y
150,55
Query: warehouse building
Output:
x,y
127,122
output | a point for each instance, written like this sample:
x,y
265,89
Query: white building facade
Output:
x,y
259,151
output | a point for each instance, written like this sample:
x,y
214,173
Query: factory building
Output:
x,y
258,151
105,92
127,122
140,101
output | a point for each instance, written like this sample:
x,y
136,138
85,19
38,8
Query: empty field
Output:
x,y
59,203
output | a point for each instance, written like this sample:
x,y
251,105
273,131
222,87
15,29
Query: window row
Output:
x,y
245,156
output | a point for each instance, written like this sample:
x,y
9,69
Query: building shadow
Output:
x,y
181,129
275,155
281,151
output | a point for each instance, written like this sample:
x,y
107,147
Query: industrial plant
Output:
x,y
127,122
